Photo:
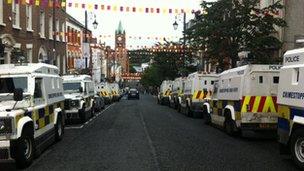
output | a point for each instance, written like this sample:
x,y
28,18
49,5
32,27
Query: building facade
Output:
x,y
294,32
33,33
121,53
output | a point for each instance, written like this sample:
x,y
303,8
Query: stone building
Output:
x,y
294,33
121,53
33,33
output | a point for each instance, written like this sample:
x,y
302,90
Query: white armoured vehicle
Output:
x,y
291,108
198,87
245,99
31,110
79,96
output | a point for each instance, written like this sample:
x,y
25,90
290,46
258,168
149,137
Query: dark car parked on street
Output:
x,y
133,94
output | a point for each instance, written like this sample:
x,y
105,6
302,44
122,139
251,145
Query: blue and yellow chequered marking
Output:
x,y
286,115
43,116
218,107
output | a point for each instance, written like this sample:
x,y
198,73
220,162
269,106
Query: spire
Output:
x,y
120,30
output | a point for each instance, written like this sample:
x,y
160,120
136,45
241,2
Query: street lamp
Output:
x,y
95,24
175,25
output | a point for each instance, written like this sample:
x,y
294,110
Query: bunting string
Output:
x,y
103,7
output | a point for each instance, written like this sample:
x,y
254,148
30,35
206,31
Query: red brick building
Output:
x,y
35,31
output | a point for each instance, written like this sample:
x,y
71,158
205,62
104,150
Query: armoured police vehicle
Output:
x,y
115,90
164,93
31,110
178,87
245,99
291,108
79,97
105,91
198,88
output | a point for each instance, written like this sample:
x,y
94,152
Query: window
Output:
x,y
1,11
58,83
38,88
63,32
276,80
42,24
296,76
57,30
29,53
15,14
8,85
51,27
205,82
261,79
53,83
212,82
28,11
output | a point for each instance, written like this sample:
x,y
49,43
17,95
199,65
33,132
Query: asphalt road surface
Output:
x,y
141,135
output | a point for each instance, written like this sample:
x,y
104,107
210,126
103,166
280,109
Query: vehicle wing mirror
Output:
x,y
80,89
18,94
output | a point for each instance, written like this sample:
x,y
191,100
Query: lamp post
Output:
x,y
175,26
95,25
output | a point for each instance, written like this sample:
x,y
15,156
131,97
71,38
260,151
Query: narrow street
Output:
x,y
141,135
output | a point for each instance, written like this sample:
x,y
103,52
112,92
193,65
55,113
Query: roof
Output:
x,y
27,68
120,30
202,74
76,77
251,68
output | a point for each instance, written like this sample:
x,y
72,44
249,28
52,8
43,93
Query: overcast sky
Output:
x,y
135,24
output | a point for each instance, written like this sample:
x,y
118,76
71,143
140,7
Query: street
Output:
x,y
141,135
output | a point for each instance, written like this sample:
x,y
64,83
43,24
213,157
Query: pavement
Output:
x,y
142,135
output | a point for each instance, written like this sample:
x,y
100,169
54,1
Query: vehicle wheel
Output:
x,y
179,108
82,115
297,147
206,117
188,112
59,128
230,127
25,149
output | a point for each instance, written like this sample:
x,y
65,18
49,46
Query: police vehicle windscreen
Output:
x,y
8,85
71,87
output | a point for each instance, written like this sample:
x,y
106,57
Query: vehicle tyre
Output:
x,y
206,117
82,115
59,128
179,108
188,112
25,149
230,127
297,147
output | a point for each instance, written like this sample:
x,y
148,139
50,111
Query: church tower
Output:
x,y
120,48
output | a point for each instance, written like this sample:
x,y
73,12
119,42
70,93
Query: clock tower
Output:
x,y
120,48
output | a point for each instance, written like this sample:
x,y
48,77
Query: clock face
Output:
x,y
119,39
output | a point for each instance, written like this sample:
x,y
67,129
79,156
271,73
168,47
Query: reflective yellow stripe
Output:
x,y
245,103
269,104
256,104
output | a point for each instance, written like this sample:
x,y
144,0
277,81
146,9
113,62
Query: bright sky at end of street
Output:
x,y
139,24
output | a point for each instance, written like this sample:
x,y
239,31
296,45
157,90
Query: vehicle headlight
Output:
x,y
74,103
5,126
